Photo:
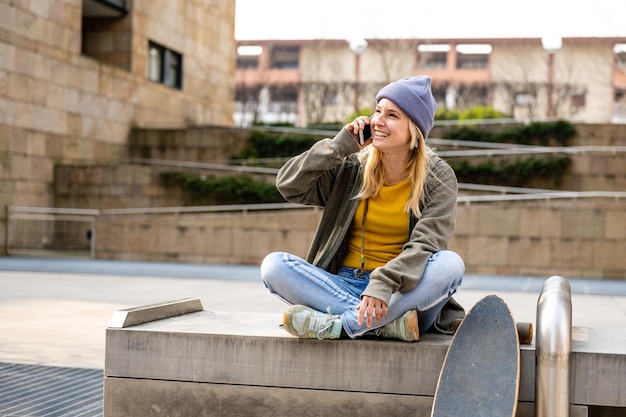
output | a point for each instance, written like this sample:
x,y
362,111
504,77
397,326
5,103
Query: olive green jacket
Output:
x,y
329,175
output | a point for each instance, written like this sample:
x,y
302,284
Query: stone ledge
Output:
x,y
215,357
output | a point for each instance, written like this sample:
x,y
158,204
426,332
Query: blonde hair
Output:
x,y
418,166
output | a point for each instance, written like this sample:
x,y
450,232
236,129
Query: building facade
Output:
x,y
316,81
76,75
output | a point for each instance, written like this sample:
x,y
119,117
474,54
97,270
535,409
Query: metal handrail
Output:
x,y
526,195
244,208
535,150
553,348
616,195
52,210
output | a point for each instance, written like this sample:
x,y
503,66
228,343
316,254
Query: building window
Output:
x,y
523,99
472,56
433,56
285,57
165,66
620,56
578,99
248,56
330,98
106,32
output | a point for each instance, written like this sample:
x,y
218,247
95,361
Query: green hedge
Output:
x,y
239,189
243,189
543,134
516,174
472,113
271,144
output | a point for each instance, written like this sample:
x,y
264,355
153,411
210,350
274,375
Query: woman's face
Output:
x,y
390,127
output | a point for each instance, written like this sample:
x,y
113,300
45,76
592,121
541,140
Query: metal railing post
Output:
x,y
553,347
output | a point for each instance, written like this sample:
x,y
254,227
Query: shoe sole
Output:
x,y
413,325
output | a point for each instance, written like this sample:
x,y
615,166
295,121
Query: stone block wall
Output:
x,y
112,186
220,238
214,144
72,90
581,240
126,185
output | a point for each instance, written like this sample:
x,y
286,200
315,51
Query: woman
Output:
x,y
379,262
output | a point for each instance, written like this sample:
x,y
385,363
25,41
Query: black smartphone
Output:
x,y
365,134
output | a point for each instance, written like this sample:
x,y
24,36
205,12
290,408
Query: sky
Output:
x,y
358,19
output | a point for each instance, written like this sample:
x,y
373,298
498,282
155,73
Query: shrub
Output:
x,y
240,189
519,173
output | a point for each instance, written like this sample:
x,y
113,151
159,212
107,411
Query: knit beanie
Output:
x,y
414,97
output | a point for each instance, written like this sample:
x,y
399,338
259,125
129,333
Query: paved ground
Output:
x,y
54,312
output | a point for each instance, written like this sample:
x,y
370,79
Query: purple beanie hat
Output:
x,y
414,97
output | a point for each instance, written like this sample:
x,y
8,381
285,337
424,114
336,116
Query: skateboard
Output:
x,y
481,371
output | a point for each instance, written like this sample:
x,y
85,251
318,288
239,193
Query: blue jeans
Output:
x,y
296,281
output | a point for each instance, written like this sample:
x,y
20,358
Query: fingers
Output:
x,y
358,124
371,310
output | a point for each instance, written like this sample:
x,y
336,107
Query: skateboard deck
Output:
x,y
481,370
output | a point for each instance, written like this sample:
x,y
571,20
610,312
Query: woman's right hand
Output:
x,y
356,126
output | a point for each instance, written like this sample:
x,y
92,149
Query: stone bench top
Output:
x,y
584,339
251,349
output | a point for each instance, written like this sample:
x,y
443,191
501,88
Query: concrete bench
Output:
x,y
178,359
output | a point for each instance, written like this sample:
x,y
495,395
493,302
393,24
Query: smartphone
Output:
x,y
365,134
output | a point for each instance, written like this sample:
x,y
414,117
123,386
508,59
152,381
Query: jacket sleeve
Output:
x,y
431,233
308,178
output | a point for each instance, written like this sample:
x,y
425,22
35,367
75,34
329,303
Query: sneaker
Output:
x,y
307,323
405,328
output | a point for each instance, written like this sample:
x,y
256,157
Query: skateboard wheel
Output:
x,y
525,332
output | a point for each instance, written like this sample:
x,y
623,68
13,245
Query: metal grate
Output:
x,y
46,391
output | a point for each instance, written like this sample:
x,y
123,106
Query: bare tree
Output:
x,y
247,99
396,57
472,95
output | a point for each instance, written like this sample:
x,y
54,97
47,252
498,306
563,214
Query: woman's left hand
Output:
x,y
371,309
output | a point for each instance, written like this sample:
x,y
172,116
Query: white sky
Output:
x,y
354,19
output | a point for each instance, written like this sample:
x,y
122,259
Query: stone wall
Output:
x,y
582,239
220,238
214,144
126,184
71,90
112,186
572,239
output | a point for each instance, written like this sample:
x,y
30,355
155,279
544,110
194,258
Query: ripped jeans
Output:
x,y
296,281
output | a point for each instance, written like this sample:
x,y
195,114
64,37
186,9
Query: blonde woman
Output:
x,y
379,263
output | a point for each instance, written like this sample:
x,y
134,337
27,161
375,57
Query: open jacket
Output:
x,y
329,175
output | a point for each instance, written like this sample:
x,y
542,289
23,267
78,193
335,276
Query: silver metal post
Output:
x,y
553,347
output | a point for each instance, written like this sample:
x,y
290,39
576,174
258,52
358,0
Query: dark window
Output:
x,y
245,93
471,61
330,97
106,32
165,66
247,62
620,56
433,60
285,57
283,98
248,56
469,56
578,99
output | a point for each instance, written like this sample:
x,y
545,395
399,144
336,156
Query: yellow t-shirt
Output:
x,y
386,227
